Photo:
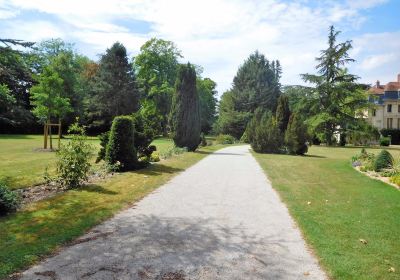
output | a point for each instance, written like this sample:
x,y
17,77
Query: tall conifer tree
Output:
x,y
185,115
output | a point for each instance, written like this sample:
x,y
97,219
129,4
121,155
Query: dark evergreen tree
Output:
x,y
185,115
282,113
337,101
114,88
296,135
121,144
256,84
263,133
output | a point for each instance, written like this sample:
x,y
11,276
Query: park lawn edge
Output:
x,y
332,231
44,227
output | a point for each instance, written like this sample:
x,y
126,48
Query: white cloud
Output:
x,y
217,34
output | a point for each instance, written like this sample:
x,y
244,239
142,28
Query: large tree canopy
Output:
x,y
336,97
115,90
156,66
256,85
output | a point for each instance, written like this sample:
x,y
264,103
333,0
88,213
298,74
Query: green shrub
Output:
x,y
225,139
104,137
264,134
73,158
395,179
155,157
383,160
9,200
296,136
384,141
143,134
394,135
121,145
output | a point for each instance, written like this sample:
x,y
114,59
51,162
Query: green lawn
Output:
x,y
40,229
22,164
345,206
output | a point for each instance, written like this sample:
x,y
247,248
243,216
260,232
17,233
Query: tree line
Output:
x,y
275,118
50,80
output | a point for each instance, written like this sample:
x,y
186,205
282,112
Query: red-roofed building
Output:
x,y
386,98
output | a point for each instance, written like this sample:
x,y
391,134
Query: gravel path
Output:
x,y
220,219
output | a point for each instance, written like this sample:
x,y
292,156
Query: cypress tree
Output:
x,y
296,135
185,114
282,113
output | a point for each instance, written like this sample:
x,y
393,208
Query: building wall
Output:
x,y
380,120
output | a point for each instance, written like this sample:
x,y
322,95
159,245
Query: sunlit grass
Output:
x,y
23,163
345,206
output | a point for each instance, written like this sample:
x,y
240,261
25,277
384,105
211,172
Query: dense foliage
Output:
x,y
9,200
185,114
121,145
383,160
336,100
255,85
296,135
74,158
115,89
264,134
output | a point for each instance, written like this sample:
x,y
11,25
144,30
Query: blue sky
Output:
x,y
220,34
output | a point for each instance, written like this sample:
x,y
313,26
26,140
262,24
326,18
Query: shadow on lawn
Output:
x,y
96,189
158,169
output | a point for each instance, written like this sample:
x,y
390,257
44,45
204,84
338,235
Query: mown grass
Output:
x,y
28,235
345,206
22,163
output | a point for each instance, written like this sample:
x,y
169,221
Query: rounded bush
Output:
x,y
225,139
384,141
121,145
9,200
383,160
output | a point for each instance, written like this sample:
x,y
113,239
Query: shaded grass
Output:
x,y
35,232
345,206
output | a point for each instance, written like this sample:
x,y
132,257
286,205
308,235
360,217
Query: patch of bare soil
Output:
x,y
50,189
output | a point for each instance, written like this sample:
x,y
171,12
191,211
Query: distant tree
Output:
x,y
282,113
70,66
47,98
16,75
156,66
115,90
255,85
336,100
6,103
296,135
231,121
185,115
208,103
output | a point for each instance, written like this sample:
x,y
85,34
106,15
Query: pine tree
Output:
x,y
114,89
185,115
296,135
282,113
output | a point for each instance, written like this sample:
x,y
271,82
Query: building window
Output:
x,y
374,112
389,108
398,123
398,108
389,123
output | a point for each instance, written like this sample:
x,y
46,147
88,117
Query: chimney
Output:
x,y
378,84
